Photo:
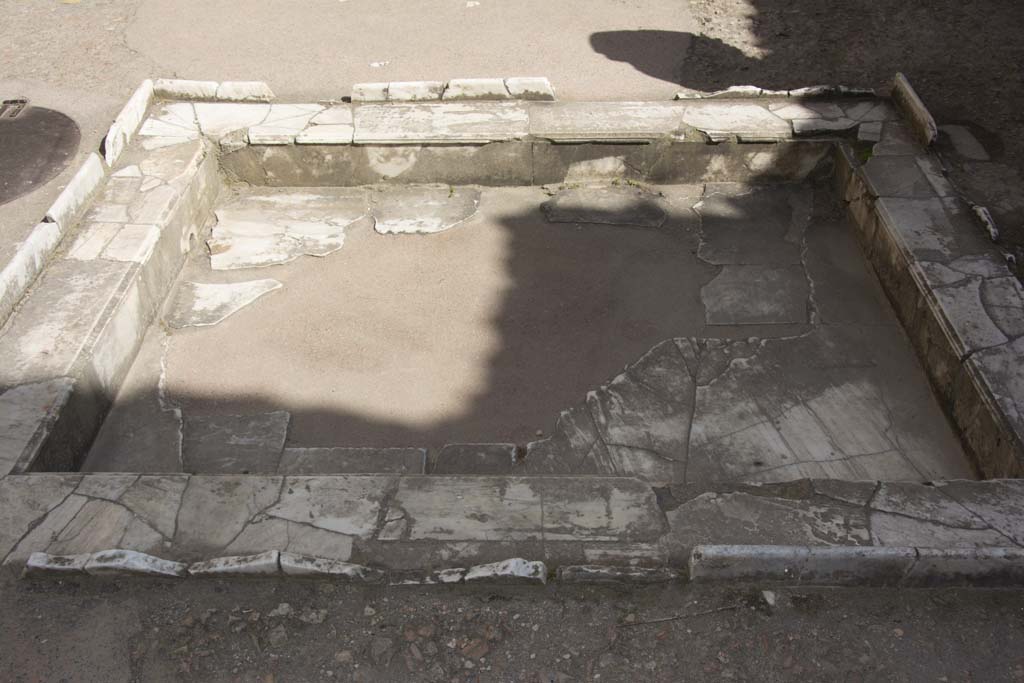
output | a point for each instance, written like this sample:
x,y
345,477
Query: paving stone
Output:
x,y
335,115
345,505
98,524
414,91
530,88
269,533
155,499
132,563
870,131
283,123
471,458
891,529
756,294
234,444
606,121
45,565
744,226
332,134
199,304
748,122
70,203
215,509
27,413
462,122
967,567
264,564
217,119
340,460
476,89
175,120
267,228
245,91
38,532
185,89
319,567
795,564
423,209
513,571
605,205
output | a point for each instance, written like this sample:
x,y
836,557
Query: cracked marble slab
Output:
x,y
200,304
423,209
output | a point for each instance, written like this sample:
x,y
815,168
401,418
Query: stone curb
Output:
x,y
212,91
753,92
858,566
457,89
906,97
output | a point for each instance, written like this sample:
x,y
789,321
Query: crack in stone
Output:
x,y
39,520
977,516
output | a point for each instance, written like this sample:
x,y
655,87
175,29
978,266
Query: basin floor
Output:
x,y
525,301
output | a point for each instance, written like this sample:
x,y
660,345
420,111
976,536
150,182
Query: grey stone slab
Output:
x,y
747,563
998,504
605,205
605,121
908,100
801,565
740,225
234,444
893,529
423,209
475,89
757,294
97,525
414,91
200,304
340,460
218,119
463,122
933,229
268,533
28,501
475,459
46,565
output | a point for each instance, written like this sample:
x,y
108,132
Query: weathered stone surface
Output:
x,y
748,122
515,570
330,134
606,121
745,226
870,131
476,89
132,563
234,444
468,123
414,91
473,458
214,510
185,89
796,564
198,304
127,122
27,413
218,119
319,567
265,227
283,123
756,294
907,99
423,209
45,338
369,92
174,123
70,203
605,205
245,91
340,460
26,263
896,176
530,88
264,564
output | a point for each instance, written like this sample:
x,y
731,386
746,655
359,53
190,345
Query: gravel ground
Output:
x,y
306,631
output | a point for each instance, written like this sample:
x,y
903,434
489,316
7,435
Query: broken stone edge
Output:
x,y
212,91
535,88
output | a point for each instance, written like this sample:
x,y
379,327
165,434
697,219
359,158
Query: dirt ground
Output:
x,y
274,632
